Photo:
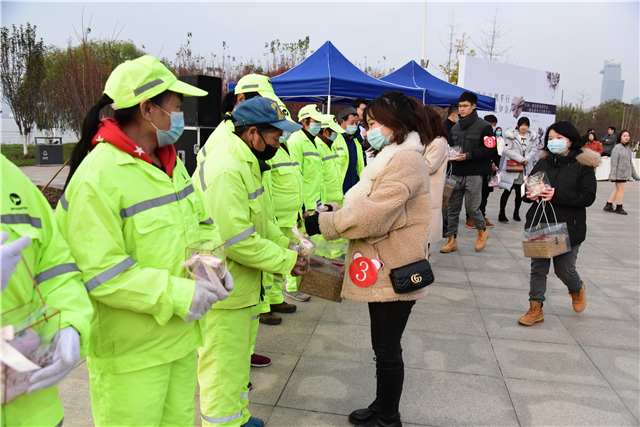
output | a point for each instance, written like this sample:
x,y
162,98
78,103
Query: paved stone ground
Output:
x,y
468,362
40,175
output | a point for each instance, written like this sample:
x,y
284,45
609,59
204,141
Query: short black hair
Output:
x,y
470,97
356,102
567,130
613,129
453,109
491,118
525,121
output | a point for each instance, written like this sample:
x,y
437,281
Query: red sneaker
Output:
x,y
250,386
258,361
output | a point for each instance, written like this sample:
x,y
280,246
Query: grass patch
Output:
x,y
13,152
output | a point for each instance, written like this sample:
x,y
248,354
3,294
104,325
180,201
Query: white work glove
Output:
x,y
11,255
65,358
228,281
204,296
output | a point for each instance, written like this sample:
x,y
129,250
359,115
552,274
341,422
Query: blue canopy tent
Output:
x,y
328,77
438,92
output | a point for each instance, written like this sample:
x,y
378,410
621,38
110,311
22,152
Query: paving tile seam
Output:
x,y
566,382
625,403
536,341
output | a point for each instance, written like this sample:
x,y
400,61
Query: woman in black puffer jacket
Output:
x,y
570,170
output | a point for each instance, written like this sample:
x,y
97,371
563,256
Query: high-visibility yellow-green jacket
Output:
x,y
222,131
128,225
234,190
285,186
340,148
305,152
25,212
331,174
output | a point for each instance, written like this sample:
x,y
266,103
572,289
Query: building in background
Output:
x,y
612,84
636,100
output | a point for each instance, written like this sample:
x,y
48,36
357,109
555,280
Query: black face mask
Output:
x,y
268,153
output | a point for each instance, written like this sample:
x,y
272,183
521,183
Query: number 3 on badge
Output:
x,y
363,271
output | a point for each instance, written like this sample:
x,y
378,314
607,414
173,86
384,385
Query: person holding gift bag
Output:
x,y
570,170
517,160
128,213
386,218
33,250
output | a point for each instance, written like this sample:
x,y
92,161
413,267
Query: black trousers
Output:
x,y
505,198
388,320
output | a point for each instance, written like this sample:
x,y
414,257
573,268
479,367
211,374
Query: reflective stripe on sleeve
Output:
x,y
268,288
63,202
21,219
340,148
279,165
155,202
208,221
202,184
335,156
240,237
204,151
277,281
56,271
109,274
256,317
256,193
310,153
220,420
244,396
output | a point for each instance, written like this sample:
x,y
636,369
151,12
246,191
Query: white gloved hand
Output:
x,y
204,296
65,358
227,281
10,256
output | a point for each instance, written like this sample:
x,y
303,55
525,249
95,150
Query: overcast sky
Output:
x,y
572,38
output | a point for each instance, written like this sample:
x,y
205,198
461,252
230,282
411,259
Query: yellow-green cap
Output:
x,y
330,121
262,85
311,111
143,78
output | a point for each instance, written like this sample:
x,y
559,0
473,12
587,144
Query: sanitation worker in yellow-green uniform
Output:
x,y
33,250
128,213
235,194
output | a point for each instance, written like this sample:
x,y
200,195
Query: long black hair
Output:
x,y
231,99
123,116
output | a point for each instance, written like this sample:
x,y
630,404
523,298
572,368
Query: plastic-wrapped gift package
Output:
x,y
537,183
303,245
206,259
29,338
545,239
454,151
495,180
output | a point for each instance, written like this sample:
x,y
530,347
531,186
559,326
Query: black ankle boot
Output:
x,y
502,217
516,216
362,416
608,207
382,421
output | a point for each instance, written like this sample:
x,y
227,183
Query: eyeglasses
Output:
x,y
464,105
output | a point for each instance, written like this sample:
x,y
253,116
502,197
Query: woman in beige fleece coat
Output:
x,y
437,156
386,219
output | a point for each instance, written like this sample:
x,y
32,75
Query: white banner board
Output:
x,y
519,91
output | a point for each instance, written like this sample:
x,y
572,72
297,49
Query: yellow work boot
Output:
x,y
483,235
452,245
579,300
534,314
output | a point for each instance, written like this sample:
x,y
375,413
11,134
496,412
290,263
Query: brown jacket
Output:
x,y
386,216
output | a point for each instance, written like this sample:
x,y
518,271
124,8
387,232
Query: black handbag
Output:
x,y
411,277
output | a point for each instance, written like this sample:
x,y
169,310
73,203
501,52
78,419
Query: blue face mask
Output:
x,y
333,136
351,129
314,128
377,140
285,136
557,146
169,137
499,133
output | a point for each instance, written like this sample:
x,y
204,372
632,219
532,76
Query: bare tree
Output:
x,y
22,70
582,98
489,45
448,67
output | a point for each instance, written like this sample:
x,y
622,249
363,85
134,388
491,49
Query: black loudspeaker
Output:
x,y
203,110
188,146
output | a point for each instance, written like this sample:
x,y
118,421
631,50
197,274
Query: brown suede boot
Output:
x,y
452,245
483,235
534,315
469,224
608,207
579,300
619,210
489,225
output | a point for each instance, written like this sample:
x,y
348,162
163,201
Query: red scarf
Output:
x,y
110,131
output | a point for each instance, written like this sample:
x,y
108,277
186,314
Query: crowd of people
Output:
x,y
374,175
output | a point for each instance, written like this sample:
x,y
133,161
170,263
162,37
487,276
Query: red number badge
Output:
x,y
489,141
363,271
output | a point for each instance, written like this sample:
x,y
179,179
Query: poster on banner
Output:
x,y
519,92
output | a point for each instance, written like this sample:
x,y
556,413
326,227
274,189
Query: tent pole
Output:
x,y
329,105
424,33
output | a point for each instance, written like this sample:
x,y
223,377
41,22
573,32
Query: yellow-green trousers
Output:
x,y
157,396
